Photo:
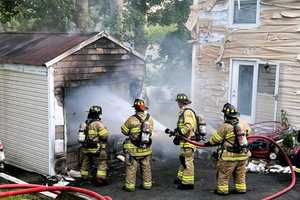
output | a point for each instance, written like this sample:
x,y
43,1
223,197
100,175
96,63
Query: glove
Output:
x,y
167,130
176,130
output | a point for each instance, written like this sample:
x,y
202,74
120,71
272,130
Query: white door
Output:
x,y
244,88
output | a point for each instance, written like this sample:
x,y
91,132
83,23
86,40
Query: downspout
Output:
x,y
51,121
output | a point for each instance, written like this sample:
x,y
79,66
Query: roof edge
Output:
x,y
74,49
89,41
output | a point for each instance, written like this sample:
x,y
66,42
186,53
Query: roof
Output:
x,y
46,48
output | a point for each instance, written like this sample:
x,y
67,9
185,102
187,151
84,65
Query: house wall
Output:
x,y
24,116
276,40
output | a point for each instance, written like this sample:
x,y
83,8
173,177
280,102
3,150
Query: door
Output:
x,y
244,88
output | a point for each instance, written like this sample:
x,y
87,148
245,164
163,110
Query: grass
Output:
x,y
23,197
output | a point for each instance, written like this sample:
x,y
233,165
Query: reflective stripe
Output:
x,y
103,132
188,178
147,184
130,186
184,144
136,151
101,173
223,188
135,130
230,135
230,156
179,174
90,150
216,138
234,158
241,186
183,129
297,170
92,133
124,129
84,173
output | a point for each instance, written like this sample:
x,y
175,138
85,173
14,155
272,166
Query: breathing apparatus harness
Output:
x,y
240,144
200,131
144,138
88,141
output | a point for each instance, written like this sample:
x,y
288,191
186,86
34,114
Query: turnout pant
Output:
x,y
132,163
186,168
89,158
226,169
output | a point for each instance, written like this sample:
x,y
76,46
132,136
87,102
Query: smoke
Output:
x,y
115,111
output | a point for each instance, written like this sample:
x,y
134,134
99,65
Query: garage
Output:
x,y
40,74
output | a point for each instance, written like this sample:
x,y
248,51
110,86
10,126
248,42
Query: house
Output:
x,y
246,52
38,74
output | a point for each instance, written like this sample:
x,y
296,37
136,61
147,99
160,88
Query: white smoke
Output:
x,y
115,111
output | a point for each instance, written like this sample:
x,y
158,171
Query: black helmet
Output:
x,y
183,98
139,105
95,112
230,111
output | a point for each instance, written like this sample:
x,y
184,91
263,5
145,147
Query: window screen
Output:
x,y
246,12
266,79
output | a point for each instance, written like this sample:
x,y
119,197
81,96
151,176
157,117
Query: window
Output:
x,y
244,12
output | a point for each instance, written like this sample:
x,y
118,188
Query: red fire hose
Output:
x,y
279,193
40,188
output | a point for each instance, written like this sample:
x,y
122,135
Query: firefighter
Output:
x,y
93,138
137,147
186,126
233,151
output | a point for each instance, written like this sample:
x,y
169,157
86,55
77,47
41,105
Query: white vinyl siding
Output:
x,y
24,119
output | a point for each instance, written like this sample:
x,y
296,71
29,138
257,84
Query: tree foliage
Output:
x,y
142,23
38,15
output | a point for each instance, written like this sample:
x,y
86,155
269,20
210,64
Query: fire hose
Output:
x,y
40,188
279,193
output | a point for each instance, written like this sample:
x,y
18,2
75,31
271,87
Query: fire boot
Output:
x,y
185,187
128,189
220,193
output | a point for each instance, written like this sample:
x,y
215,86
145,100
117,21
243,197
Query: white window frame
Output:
x,y
257,62
231,16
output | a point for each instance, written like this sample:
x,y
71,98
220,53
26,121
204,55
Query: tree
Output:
x,y
38,15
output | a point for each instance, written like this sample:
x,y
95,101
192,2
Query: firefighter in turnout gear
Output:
x,y
93,138
186,126
137,147
233,152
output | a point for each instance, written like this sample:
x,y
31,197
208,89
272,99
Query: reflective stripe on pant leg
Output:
x,y
240,176
131,168
180,172
84,171
223,189
145,164
188,172
225,169
241,187
102,165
